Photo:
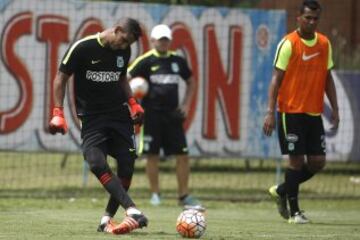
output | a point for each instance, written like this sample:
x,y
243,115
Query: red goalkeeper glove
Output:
x,y
136,111
58,123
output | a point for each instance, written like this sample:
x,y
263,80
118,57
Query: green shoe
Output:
x,y
280,202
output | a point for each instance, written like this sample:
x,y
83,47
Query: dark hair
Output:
x,y
312,4
132,26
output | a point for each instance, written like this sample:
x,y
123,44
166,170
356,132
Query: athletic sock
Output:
x,y
305,174
113,205
113,185
281,190
292,179
133,211
104,219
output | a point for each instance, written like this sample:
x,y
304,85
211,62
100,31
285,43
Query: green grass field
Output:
x,y
34,174
31,218
42,197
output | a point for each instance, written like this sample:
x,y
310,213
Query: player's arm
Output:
x,y
281,62
191,86
59,88
330,92
189,93
58,123
126,87
332,96
68,64
136,111
269,122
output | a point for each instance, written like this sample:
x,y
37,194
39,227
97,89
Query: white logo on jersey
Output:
x,y
164,79
95,61
308,57
103,76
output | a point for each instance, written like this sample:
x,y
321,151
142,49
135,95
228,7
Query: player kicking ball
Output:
x,y
107,111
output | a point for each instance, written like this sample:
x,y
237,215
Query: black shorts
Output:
x,y
118,134
301,134
164,130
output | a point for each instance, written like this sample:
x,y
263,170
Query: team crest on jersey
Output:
x,y
120,62
292,137
175,67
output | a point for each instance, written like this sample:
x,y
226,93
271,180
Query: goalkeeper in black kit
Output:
x,y
107,111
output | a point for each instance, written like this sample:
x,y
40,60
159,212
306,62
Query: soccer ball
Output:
x,y
139,86
191,223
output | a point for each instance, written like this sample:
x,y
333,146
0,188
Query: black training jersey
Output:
x,y
97,70
163,74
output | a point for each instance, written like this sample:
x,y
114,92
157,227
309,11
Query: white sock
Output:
x,y
133,210
104,219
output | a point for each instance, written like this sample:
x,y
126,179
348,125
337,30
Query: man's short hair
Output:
x,y
131,26
311,4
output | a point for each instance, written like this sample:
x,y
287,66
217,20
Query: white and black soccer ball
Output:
x,y
139,87
191,223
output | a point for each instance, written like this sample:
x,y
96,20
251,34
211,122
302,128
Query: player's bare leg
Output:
x,y
182,174
315,163
152,171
